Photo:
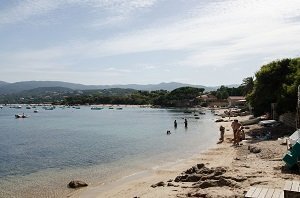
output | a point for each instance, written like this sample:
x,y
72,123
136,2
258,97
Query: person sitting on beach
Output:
x,y
235,127
222,131
175,124
241,133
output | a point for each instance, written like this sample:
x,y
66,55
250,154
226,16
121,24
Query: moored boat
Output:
x,y
96,108
21,116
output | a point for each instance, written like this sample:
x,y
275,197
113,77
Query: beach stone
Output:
x,y
171,184
76,184
193,178
199,166
161,183
177,179
255,149
198,194
191,170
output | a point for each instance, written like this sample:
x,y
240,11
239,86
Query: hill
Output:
x,y
2,83
13,88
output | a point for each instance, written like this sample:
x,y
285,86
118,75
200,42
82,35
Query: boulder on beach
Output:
x,y
77,184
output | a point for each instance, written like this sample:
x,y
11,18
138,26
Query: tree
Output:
x,y
247,85
276,82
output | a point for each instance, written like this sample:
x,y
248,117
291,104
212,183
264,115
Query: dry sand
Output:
x,y
262,169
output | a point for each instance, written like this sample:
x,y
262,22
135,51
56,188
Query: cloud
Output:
x,y
24,10
216,34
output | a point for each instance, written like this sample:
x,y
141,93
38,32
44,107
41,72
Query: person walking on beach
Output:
x,y
185,123
175,124
235,127
222,131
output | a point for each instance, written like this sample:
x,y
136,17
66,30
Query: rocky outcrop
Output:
x,y
204,177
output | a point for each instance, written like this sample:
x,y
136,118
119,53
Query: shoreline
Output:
x,y
243,167
138,184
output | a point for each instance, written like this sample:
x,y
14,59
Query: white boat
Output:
x,y
1,106
36,111
21,116
96,108
49,108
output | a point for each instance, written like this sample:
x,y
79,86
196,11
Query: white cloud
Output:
x,y
221,34
24,10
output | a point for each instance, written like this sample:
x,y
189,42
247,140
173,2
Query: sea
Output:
x,y
41,154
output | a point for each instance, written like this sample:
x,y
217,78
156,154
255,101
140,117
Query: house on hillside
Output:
x,y
208,98
236,101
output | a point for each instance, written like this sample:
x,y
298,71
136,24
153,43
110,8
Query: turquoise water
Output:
x,y
51,147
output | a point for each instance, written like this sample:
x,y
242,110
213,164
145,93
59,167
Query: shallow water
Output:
x,y
39,155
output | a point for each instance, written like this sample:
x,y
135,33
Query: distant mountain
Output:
x,y
2,83
13,88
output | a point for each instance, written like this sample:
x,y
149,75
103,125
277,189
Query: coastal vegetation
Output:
x,y
276,83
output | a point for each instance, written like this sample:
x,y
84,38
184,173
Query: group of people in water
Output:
x,y
175,125
238,132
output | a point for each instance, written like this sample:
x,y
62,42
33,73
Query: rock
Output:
x,y
76,184
170,180
158,184
200,166
181,178
170,184
255,150
192,178
198,194
191,170
219,120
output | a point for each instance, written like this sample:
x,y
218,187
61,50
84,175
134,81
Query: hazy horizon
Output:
x,y
125,84
99,42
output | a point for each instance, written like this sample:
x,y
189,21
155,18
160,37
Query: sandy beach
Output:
x,y
240,170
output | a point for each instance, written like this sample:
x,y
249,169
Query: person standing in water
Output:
x,y
175,124
185,123
222,131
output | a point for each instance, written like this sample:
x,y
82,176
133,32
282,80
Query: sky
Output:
x,y
104,42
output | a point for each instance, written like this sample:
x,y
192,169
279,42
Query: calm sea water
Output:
x,y
39,155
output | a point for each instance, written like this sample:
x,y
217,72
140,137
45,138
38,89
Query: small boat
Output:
x,y
28,107
49,108
77,107
36,111
96,108
110,108
1,106
250,121
119,108
21,116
